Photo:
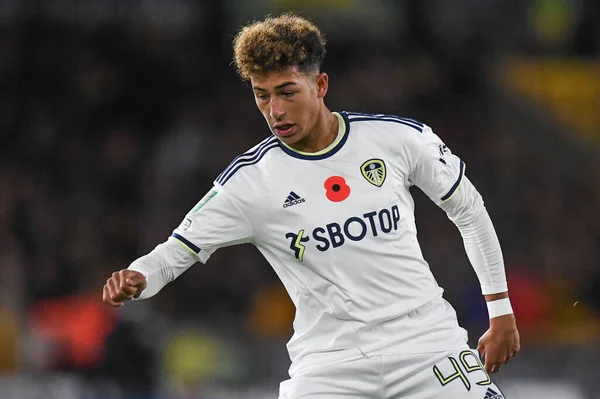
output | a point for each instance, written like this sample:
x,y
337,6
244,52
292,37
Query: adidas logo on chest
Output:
x,y
293,199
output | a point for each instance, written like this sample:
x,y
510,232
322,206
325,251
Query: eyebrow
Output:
x,y
281,86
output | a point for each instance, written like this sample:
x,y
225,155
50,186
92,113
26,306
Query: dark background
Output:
x,y
115,117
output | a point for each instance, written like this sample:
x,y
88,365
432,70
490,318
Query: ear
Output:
x,y
322,84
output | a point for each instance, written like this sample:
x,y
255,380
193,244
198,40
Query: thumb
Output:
x,y
136,279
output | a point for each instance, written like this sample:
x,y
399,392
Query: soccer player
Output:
x,y
326,200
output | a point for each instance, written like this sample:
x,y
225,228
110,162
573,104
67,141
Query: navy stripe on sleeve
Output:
x,y
247,162
402,122
248,156
359,114
186,242
456,184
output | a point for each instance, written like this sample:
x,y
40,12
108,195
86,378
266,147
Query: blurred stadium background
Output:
x,y
115,116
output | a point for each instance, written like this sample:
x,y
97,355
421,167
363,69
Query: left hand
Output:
x,y
499,343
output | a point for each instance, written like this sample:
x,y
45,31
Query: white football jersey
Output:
x,y
338,228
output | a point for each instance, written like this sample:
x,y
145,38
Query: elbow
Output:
x,y
467,212
466,206
166,271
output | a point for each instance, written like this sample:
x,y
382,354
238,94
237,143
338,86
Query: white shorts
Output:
x,y
440,375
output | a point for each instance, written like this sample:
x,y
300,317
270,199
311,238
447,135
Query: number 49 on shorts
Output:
x,y
467,369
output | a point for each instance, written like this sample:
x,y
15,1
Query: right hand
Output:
x,y
123,285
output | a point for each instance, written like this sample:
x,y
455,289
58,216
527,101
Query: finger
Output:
x,y
480,349
511,352
125,287
135,279
128,290
112,292
493,363
500,362
489,367
491,359
516,349
115,291
125,291
106,298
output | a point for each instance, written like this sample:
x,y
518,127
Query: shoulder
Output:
x,y
248,161
402,138
390,133
383,122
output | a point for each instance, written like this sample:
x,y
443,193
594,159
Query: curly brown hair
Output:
x,y
278,43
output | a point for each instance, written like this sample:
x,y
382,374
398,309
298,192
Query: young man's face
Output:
x,y
290,101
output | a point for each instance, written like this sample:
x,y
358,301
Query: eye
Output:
x,y
288,94
262,96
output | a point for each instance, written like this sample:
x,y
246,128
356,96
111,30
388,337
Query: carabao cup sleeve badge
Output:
x,y
204,200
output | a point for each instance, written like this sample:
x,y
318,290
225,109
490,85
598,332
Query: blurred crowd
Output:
x,y
110,133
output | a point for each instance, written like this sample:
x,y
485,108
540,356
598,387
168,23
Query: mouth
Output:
x,y
284,129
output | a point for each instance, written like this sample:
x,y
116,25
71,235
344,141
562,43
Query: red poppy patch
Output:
x,y
336,189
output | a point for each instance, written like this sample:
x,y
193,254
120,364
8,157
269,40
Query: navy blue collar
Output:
x,y
327,152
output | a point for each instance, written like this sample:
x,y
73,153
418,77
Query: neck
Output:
x,y
322,134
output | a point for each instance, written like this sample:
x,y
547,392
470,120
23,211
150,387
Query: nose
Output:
x,y
277,108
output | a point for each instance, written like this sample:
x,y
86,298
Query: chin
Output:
x,y
290,139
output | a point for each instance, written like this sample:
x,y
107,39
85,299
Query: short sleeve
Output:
x,y
215,221
434,169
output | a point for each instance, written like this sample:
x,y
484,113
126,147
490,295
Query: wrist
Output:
x,y
499,307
